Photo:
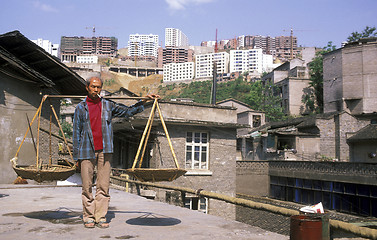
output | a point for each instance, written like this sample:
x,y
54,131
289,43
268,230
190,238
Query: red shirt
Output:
x,y
95,113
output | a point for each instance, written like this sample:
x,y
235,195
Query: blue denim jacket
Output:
x,y
83,146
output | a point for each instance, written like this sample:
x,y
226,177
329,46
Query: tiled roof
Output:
x,y
367,133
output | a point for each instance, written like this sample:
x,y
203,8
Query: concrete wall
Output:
x,y
279,75
332,82
334,135
360,77
16,100
370,78
296,90
253,178
349,77
181,111
307,148
359,152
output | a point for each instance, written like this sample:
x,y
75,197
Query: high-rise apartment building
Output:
x,y
71,47
143,45
178,71
175,38
286,47
252,60
48,46
174,55
279,47
205,62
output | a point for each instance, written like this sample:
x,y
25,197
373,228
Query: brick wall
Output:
x,y
221,175
333,135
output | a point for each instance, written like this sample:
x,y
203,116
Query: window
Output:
x,y
197,150
197,203
257,120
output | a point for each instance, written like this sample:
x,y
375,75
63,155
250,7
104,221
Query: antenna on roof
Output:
x,y
216,47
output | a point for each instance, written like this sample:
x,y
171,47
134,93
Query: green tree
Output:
x,y
367,32
313,96
67,129
263,97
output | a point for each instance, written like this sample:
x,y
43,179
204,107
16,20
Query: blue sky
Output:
x,y
314,22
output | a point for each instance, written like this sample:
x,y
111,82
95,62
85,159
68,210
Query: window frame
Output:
x,y
188,203
200,145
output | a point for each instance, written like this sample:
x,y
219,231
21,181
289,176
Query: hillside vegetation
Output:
x,y
256,95
259,97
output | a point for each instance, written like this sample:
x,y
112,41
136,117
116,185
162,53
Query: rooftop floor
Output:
x,y
47,212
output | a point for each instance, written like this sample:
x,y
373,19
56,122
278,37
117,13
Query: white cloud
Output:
x,y
44,7
181,4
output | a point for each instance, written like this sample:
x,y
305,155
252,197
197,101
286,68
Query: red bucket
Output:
x,y
305,228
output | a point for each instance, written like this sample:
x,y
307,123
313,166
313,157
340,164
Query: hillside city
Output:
x,y
280,124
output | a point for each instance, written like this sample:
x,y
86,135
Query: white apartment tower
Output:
x,y
175,38
48,46
252,60
178,71
204,64
143,45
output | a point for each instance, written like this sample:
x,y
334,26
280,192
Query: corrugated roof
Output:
x,y
24,60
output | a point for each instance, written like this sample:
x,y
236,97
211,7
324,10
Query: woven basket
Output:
x,y
45,173
155,175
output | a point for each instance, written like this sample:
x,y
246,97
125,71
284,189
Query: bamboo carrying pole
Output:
x,y
105,97
65,96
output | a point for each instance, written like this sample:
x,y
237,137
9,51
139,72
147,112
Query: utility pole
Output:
x,y
214,82
291,43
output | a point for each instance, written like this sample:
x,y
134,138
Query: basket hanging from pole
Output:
x,y
150,174
44,172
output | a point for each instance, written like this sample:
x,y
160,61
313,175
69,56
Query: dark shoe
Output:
x,y
89,224
103,224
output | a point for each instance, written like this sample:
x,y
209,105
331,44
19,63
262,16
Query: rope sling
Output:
x,y
44,172
150,174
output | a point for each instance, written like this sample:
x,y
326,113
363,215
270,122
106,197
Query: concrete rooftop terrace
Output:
x,y
48,212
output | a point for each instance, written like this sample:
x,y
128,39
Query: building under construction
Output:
x,y
71,47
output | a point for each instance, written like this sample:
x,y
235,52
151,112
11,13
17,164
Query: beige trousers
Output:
x,y
96,208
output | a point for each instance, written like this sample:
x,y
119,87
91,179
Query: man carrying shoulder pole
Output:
x,y
93,146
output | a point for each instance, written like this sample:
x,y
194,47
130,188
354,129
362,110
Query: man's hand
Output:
x,y
150,97
78,166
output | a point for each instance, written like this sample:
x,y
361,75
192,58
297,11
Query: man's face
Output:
x,y
94,88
